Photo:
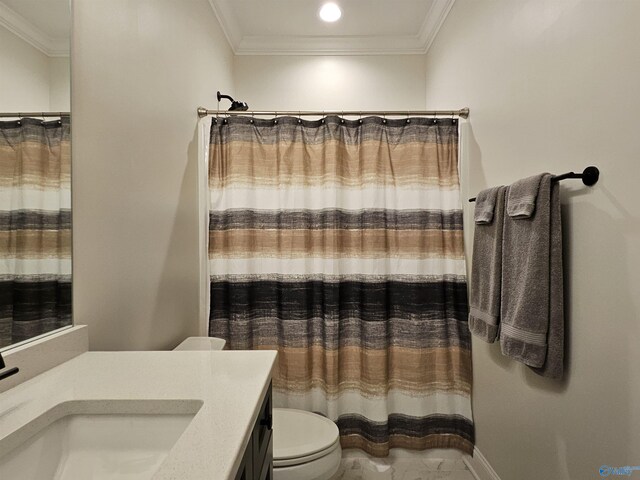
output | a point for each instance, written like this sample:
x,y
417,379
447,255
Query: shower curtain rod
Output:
x,y
34,114
462,113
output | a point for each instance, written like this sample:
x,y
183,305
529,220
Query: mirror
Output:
x,y
35,169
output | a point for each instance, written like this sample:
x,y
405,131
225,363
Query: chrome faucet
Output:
x,y
8,372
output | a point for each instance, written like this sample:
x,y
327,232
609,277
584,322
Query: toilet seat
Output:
x,y
300,437
289,462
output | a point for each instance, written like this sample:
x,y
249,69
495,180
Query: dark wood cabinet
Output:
x,y
257,461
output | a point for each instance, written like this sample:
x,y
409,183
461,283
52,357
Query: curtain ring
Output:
x,y
384,118
360,119
299,116
408,119
342,119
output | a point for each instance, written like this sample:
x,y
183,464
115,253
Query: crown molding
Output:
x,y
328,45
227,21
434,21
331,44
20,26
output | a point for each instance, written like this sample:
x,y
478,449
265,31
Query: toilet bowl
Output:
x,y
306,446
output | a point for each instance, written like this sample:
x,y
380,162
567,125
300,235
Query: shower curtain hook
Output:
x,y
342,119
360,119
299,116
408,119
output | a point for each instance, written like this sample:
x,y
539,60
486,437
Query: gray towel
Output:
x,y
522,197
486,269
554,363
532,323
485,205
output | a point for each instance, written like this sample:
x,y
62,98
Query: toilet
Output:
x,y
306,446
201,343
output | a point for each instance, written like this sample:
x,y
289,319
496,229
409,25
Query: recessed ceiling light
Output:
x,y
330,12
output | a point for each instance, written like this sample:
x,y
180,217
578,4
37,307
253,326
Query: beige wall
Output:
x,y
554,86
140,68
59,84
331,82
24,75
30,81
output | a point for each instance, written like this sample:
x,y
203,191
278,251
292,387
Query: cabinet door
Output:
x,y
257,461
245,472
262,432
267,464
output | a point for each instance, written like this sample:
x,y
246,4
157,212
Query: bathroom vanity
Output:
x,y
194,415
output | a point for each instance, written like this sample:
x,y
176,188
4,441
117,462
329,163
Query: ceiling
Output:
x,y
268,27
292,27
44,24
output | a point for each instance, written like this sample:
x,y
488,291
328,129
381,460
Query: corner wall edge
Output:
x,y
479,466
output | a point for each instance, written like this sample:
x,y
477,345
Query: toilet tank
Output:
x,y
201,344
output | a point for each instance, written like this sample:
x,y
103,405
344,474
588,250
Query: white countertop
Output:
x,y
230,384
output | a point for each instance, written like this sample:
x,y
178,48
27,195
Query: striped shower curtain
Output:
x,y
35,228
339,244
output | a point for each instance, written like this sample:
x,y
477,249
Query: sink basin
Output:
x,y
103,439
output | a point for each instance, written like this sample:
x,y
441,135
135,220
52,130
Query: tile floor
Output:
x,y
357,466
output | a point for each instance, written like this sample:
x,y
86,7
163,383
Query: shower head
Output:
x,y
235,106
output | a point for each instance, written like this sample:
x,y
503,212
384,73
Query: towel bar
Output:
x,y
589,176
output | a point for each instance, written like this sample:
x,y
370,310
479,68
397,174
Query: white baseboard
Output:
x,y
480,467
